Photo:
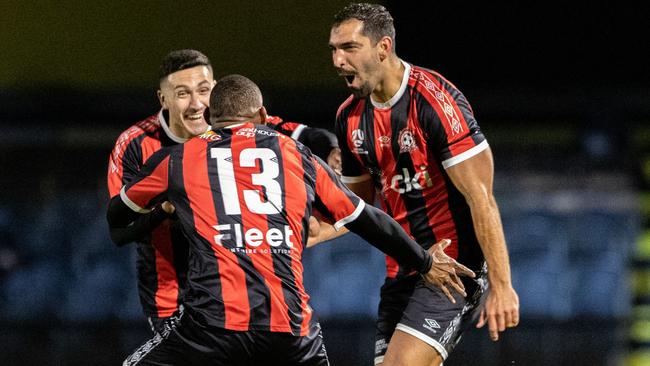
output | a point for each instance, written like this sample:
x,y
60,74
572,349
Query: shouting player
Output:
x,y
410,134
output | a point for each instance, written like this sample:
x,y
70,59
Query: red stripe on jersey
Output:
x,y
437,192
166,296
296,204
151,185
344,105
354,119
232,276
263,262
334,198
440,219
149,146
115,161
451,117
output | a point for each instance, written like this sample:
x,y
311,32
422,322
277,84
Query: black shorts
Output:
x,y
424,311
190,343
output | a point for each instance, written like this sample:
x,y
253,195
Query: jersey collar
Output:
x,y
168,131
393,100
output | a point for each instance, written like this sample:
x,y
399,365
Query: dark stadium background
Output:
x,y
562,92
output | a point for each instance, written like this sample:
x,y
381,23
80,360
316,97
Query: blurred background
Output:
x,y
561,92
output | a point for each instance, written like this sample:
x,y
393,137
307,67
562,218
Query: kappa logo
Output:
x,y
431,325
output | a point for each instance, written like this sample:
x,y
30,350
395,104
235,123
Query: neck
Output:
x,y
390,80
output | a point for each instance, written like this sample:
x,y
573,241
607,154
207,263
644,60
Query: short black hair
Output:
x,y
377,21
234,96
182,59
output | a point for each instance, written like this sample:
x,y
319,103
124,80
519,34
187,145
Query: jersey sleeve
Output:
x,y
448,120
150,182
124,162
352,170
334,197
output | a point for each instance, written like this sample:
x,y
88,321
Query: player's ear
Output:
x,y
161,98
384,47
263,115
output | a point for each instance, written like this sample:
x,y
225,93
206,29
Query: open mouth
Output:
x,y
349,78
194,117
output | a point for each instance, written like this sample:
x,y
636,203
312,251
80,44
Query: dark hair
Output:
x,y
377,21
234,96
182,59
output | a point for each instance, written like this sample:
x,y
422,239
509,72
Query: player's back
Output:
x,y
244,194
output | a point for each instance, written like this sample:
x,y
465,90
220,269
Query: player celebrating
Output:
x,y
245,300
186,79
411,134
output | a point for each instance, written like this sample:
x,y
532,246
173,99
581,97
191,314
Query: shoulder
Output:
x,y
147,126
347,106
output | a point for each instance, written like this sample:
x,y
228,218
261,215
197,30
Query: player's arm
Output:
x,y
140,225
473,178
125,209
123,165
384,233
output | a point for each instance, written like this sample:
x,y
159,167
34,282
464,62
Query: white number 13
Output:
x,y
265,178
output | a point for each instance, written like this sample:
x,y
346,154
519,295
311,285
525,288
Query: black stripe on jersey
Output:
x,y
367,124
147,276
196,297
282,262
133,148
469,251
258,293
413,200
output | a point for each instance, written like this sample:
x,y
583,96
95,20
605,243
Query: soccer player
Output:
x,y
186,79
243,193
411,134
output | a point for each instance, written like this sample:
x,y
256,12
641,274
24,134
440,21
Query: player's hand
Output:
x,y
501,310
334,160
168,207
445,271
314,227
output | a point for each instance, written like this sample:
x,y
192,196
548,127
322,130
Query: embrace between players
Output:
x,y
222,212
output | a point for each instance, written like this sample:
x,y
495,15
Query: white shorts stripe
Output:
x,y
425,338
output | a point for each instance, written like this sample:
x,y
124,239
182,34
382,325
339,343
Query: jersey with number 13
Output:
x,y
244,195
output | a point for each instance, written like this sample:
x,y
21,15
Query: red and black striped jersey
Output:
x,y
244,195
162,255
404,146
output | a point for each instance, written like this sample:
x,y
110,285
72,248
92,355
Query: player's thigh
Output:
x,y
395,295
408,350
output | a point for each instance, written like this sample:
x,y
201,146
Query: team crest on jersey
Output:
x,y
407,141
210,136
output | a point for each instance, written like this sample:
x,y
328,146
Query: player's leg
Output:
x,y
394,298
431,325
406,350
